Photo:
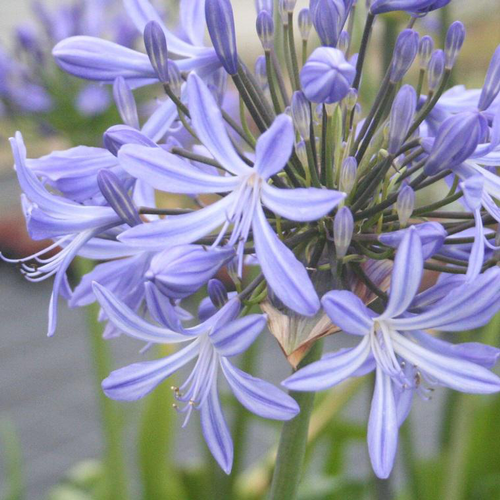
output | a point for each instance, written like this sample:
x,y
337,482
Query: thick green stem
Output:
x,y
293,441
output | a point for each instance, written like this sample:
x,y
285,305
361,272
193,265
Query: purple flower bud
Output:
x,y
156,47
220,23
405,204
327,77
175,78
343,228
402,113
301,114
344,40
117,197
265,29
182,270
217,293
305,23
125,102
261,5
300,149
405,52
118,135
425,48
261,72
454,40
348,174
457,138
412,6
436,69
328,17
491,86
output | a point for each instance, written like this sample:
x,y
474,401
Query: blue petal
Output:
x,y
284,273
237,336
456,373
135,381
131,324
301,204
331,369
169,173
347,311
216,431
406,274
258,396
161,309
383,427
209,126
161,120
192,13
274,147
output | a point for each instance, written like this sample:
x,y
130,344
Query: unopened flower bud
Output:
x,y
156,47
125,102
405,204
343,228
344,40
217,293
289,5
351,99
348,174
301,113
182,270
261,72
405,52
328,18
261,5
283,12
117,197
425,48
305,23
265,29
300,149
436,69
491,87
327,77
220,23
175,78
402,113
454,40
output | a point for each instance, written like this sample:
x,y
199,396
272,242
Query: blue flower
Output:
x,y
212,343
404,357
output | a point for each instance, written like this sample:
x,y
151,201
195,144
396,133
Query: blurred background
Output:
x,y
50,430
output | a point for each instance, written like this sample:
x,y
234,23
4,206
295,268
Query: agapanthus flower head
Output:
x,y
405,51
327,77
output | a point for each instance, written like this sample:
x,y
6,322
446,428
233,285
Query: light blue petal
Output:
x,y
274,147
135,381
210,128
161,120
383,427
236,337
347,311
192,14
179,229
161,309
406,274
331,369
284,273
456,373
258,396
476,258
301,204
131,324
169,173
216,431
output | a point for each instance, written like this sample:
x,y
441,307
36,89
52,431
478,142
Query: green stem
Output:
x,y
293,441
272,83
362,51
111,418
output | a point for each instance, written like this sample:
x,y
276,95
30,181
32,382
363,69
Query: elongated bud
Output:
x,y
351,99
305,24
182,270
301,114
283,12
344,40
217,293
436,69
455,38
289,5
348,174
425,48
220,23
265,29
261,72
328,19
125,102
405,52
343,228
405,204
402,113
261,5
156,47
300,149
491,87
456,139
117,197
175,80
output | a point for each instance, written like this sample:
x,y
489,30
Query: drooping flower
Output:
x,y
212,343
404,357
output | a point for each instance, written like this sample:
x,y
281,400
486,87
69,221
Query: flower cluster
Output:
x,y
315,191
